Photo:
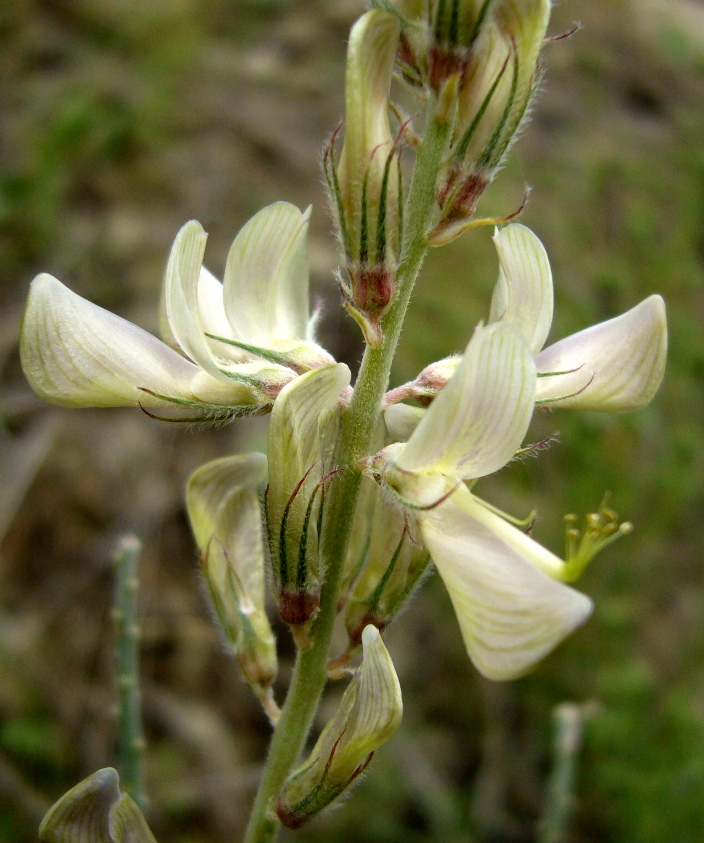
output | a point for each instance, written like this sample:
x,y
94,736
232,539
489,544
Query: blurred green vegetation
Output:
x,y
121,120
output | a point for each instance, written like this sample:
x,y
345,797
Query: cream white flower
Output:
x,y
505,587
224,511
76,354
615,366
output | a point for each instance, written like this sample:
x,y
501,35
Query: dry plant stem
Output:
x,y
130,741
568,720
357,429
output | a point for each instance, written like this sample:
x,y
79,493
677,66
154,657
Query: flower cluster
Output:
x,y
401,476
507,590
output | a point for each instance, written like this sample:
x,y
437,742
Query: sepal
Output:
x,y
393,565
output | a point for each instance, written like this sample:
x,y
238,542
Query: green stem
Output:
x,y
568,720
357,431
131,742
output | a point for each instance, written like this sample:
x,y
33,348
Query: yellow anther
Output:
x,y
600,529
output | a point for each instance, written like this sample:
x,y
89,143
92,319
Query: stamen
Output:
x,y
601,528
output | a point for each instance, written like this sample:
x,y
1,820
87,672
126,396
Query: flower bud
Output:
x,y
393,566
500,73
303,425
428,383
368,715
454,28
223,507
364,186
95,811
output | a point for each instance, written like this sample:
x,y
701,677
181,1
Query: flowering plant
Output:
x,y
360,493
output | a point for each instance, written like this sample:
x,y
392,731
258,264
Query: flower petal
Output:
x,y
523,294
224,511
511,612
478,421
401,420
615,366
76,354
220,495
266,277
94,811
212,316
181,296
299,413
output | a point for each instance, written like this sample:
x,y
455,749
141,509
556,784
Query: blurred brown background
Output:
x,y
121,120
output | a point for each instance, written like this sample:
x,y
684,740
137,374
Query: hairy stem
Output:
x,y
356,433
131,742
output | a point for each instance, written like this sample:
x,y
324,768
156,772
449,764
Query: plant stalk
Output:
x,y
130,739
568,720
356,433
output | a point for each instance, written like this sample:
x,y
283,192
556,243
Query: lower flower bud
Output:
x,y
368,715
